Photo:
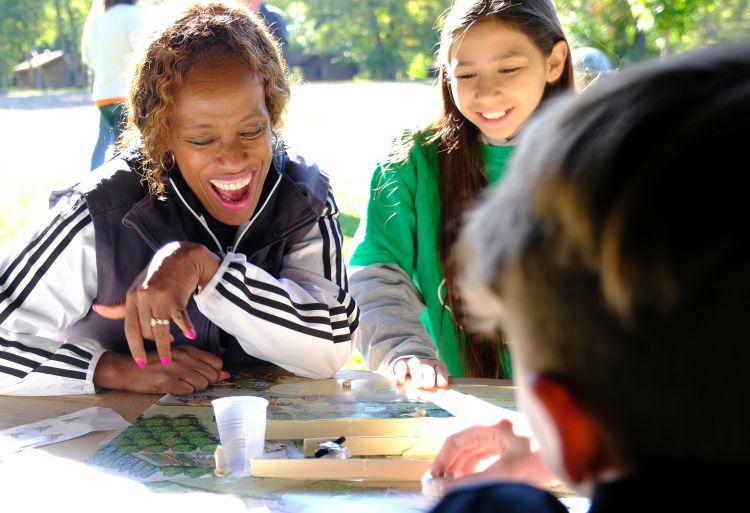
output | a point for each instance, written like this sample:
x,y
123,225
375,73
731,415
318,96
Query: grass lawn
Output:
x,y
346,127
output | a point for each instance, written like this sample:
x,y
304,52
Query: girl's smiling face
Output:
x,y
498,76
221,137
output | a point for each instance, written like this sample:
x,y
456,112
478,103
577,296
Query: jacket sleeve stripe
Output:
x,y
13,372
336,235
77,350
39,270
65,373
75,362
332,203
351,308
273,319
20,360
335,212
284,307
276,290
337,310
326,248
25,349
40,239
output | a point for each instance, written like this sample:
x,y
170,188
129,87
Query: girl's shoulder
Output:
x,y
414,145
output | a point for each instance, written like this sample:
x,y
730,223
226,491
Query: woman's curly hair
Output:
x,y
172,51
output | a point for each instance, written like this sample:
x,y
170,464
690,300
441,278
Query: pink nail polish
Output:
x,y
165,361
171,339
140,363
191,334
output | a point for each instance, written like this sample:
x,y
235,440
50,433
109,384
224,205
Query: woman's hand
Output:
x,y
192,370
462,452
424,372
159,295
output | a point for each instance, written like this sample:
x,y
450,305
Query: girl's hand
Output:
x,y
159,295
424,372
191,370
462,452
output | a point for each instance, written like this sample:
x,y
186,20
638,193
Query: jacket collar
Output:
x,y
285,205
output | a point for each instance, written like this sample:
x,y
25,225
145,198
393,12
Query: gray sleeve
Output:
x,y
390,306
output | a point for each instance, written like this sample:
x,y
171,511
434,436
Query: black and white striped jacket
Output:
x,y
280,294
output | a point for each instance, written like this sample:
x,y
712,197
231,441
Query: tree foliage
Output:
x,y
20,22
388,39
396,39
36,25
631,30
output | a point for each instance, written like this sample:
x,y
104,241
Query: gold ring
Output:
x,y
159,322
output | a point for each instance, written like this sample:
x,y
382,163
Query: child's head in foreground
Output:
x,y
616,256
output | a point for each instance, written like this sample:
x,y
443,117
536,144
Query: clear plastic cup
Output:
x,y
241,421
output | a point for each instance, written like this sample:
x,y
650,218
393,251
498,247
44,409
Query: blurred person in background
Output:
x,y
109,36
590,64
275,21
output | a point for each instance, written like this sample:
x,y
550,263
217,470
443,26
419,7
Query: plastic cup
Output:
x,y
242,429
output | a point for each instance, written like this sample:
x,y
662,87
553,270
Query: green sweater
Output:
x,y
402,228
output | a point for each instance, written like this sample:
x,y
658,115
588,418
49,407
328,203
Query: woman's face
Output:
x,y
498,76
222,138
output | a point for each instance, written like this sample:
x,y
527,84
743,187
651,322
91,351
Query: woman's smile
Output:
x,y
222,137
234,193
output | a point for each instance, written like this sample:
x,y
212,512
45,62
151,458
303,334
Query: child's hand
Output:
x,y
424,372
462,453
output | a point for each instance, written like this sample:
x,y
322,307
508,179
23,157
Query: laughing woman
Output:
x,y
203,245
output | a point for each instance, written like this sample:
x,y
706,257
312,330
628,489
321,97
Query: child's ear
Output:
x,y
556,61
583,450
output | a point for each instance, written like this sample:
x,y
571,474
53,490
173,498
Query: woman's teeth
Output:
x,y
493,115
232,191
230,186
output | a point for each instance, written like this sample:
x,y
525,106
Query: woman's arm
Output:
x,y
305,320
46,285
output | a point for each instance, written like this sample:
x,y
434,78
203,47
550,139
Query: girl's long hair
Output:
x,y
462,169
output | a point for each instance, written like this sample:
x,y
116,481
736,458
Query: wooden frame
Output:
x,y
438,427
351,469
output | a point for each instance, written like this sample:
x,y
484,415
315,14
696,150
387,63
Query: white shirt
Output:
x,y
108,41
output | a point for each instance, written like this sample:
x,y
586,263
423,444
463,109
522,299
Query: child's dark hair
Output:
x,y
462,171
620,238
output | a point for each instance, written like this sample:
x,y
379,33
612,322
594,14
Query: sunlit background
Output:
x,y
380,51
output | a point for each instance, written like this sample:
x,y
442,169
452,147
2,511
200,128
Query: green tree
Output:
x,y
69,18
36,25
20,24
631,30
387,39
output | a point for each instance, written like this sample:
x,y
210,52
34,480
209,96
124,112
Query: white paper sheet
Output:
x,y
59,429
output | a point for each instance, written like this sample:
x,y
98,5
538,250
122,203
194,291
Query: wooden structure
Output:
x,y
318,67
43,70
